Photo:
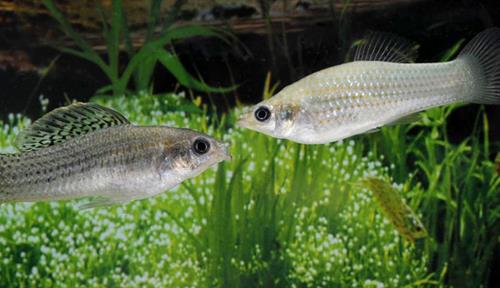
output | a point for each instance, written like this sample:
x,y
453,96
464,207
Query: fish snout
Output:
x,y
242,122
245,119
225,149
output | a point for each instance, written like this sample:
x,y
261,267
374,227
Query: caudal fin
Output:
x,y
482,53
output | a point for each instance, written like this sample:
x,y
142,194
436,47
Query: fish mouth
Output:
x,y
226,154
240,122
243,122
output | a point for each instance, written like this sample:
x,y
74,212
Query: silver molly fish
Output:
x,y
86,150
378,89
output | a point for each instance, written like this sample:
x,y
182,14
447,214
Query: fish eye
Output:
x,y
201,146
262,114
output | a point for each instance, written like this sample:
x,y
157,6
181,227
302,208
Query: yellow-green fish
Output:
x,y
86,150
375,90
399,214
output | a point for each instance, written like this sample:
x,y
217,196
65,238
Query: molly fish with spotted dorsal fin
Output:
x,y
86,150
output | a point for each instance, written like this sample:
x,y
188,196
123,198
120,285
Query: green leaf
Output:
x,y
145,53
144,73
448,55
98,61
173,64
113,39
184,32
104,90
154,16
66,27
172,13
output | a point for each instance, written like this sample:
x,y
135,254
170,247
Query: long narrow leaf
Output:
x,y
154,16
452,51
87,52
172,13
174,65
113,40
144,53
178,33
129,47
98,61
66,27
105,25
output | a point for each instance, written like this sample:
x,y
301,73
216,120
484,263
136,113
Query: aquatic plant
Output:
x,y
142,61
279,215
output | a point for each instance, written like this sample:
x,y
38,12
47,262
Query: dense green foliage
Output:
x,y
279,214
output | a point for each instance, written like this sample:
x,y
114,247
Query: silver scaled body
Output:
x,y
356,97
119,163
381,87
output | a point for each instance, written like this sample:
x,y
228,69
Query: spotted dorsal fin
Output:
x,y
379,46
67,122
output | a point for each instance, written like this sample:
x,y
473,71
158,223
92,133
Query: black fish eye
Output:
x,y
262,114
201,146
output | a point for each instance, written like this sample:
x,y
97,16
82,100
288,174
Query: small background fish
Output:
x,y
86,150
399,214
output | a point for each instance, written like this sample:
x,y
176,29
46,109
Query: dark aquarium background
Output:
x,y
279,214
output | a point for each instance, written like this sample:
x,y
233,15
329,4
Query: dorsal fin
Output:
x,y
379,46
67,122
